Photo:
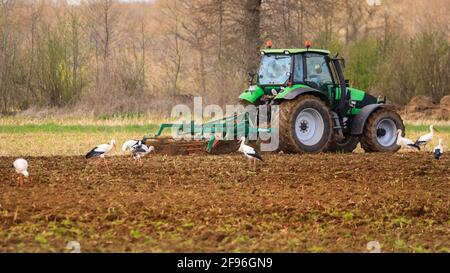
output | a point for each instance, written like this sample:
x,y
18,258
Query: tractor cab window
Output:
x,y
318,74
275,69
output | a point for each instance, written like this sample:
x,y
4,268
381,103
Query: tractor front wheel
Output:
x,y
380,132
305,125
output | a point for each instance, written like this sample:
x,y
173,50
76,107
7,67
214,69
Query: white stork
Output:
x,y
130,144
127,146
21,167
439,150
140,151
74,247
424,140
101,151
406,142
249,152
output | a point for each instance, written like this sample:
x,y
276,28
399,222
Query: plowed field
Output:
x,y
289,203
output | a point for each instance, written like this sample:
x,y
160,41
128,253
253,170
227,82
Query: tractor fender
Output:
x,y
360,120
293,94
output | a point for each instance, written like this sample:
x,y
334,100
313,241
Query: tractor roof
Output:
x,y
295,51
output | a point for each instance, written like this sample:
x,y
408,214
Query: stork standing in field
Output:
x,y
139,151
439,150
406,142
424,140
249,152
21,167
101,151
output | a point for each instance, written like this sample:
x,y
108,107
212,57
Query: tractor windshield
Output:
x,y
275,69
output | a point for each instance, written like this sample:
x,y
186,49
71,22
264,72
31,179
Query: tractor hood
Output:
x,y
253,94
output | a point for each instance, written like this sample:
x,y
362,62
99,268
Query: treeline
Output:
x,y
106,56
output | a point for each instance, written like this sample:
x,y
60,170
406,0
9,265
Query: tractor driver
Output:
x,y
317,78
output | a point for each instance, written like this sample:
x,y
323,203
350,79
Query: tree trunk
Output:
x,y
221,11
143,55
300,23
202,71
75,54
252,33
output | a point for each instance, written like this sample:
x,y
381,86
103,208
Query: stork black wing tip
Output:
x,y
437,155
92,154
259,157
416,146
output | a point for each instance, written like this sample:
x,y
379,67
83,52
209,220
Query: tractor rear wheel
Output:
x,y
380,132
347,145
305,125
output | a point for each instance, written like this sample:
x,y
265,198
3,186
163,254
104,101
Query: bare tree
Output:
x,y
35,11
102,20
355,11
101,17
8,51
195,32
173,45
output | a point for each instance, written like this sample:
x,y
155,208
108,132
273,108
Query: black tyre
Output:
x,y
348,145
305,125
380,132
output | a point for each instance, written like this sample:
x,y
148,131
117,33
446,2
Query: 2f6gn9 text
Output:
x,y
246,262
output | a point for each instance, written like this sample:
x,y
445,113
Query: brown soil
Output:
x,y
420,103
445,103
422,107
289,203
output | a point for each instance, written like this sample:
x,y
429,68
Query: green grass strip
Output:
x,y
54,129
426,128
153,128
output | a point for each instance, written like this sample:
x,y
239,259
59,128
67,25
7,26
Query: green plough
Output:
x,y
214,137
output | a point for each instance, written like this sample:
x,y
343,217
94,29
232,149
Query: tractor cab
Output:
x,y
286,73
282,68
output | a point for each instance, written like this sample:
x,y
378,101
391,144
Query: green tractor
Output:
x,y
318,110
